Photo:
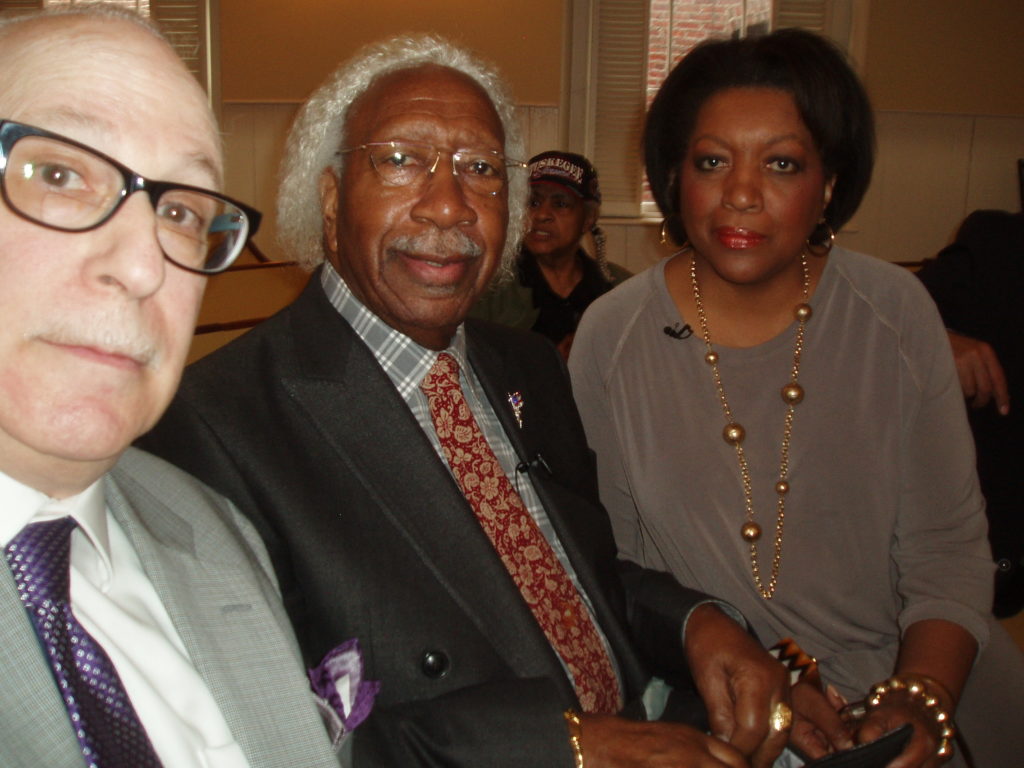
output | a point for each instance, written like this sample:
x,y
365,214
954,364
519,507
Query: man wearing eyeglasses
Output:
x,y
140,623
423,483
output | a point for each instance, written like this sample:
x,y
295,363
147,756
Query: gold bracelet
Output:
x,y
572,722
917,688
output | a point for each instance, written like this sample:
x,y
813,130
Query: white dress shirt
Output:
x,y
116,603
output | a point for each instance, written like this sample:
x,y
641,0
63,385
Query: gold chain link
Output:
x,y
792,394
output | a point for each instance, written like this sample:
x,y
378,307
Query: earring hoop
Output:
x,y
669,223
821,239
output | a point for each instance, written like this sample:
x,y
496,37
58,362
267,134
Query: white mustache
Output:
x,y
441,243
109,334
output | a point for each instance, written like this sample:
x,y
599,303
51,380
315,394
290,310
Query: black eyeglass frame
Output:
x,y
12,131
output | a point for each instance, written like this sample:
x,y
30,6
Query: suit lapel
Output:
x,y
502,375
217,602
34,726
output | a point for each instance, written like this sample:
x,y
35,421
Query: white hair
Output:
x,y
93,10
319,132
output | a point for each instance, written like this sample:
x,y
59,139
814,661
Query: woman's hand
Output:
x,y
817,727
897,708
940,654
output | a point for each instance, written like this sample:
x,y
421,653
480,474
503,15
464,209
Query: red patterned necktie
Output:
x,y
542,581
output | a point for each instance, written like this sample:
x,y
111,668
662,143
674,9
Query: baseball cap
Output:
x,y
567,169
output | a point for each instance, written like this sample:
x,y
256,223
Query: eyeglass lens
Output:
x,y
401,164
66,187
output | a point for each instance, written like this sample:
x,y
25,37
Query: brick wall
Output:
x,y
678,25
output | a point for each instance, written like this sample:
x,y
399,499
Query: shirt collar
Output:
x,y
403,360
23,505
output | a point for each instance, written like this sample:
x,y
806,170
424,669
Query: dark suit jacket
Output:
x,y
371,538
977,282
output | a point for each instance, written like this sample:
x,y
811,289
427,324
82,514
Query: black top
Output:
x,y
559,316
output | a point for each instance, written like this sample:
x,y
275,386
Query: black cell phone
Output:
x,y
874,754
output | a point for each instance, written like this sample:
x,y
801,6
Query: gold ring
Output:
x,y
782,717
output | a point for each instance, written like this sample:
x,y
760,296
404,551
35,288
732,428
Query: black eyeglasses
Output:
x,y
61,184
406,163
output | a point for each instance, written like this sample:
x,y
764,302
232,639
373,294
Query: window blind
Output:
x,y
618,96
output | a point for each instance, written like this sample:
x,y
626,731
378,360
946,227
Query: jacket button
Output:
x,y
435,664
1004,565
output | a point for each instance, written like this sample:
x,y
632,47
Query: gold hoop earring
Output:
x,y
821,239
669,225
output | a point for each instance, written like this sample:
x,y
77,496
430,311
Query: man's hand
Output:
x,y
740,682
614,742
981,375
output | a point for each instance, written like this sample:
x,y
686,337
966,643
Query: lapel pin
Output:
x,y
516,401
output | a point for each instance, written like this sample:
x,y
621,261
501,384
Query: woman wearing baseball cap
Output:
x,y
555,278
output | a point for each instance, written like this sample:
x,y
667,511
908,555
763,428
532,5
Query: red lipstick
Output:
x,y
738,238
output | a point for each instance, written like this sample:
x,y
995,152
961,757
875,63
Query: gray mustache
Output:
x,y
447,242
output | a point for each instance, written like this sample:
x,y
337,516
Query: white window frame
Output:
x,y
191,26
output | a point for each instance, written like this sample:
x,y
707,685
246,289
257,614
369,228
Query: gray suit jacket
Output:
x,y
211,573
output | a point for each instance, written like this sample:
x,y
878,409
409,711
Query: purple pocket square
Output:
x,y
338,679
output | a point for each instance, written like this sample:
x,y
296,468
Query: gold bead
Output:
x,y
750,532
945,750
734,433
782,487
948,733
803,312
711,357
941,716
792,393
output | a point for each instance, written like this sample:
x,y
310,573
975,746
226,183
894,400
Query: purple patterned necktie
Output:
x,y
104,720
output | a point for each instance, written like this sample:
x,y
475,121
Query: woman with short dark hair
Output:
x,y
779,422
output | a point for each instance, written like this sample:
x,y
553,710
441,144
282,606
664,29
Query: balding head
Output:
x,y
94,325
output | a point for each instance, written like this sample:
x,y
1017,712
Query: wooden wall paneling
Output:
x,y
542,129
998,143
919,186
245,294
254,137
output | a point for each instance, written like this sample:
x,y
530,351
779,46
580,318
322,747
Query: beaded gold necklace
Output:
x,y
792,394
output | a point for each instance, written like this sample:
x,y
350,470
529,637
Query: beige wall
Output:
x,y
273,51
950,56
947,81
946,76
